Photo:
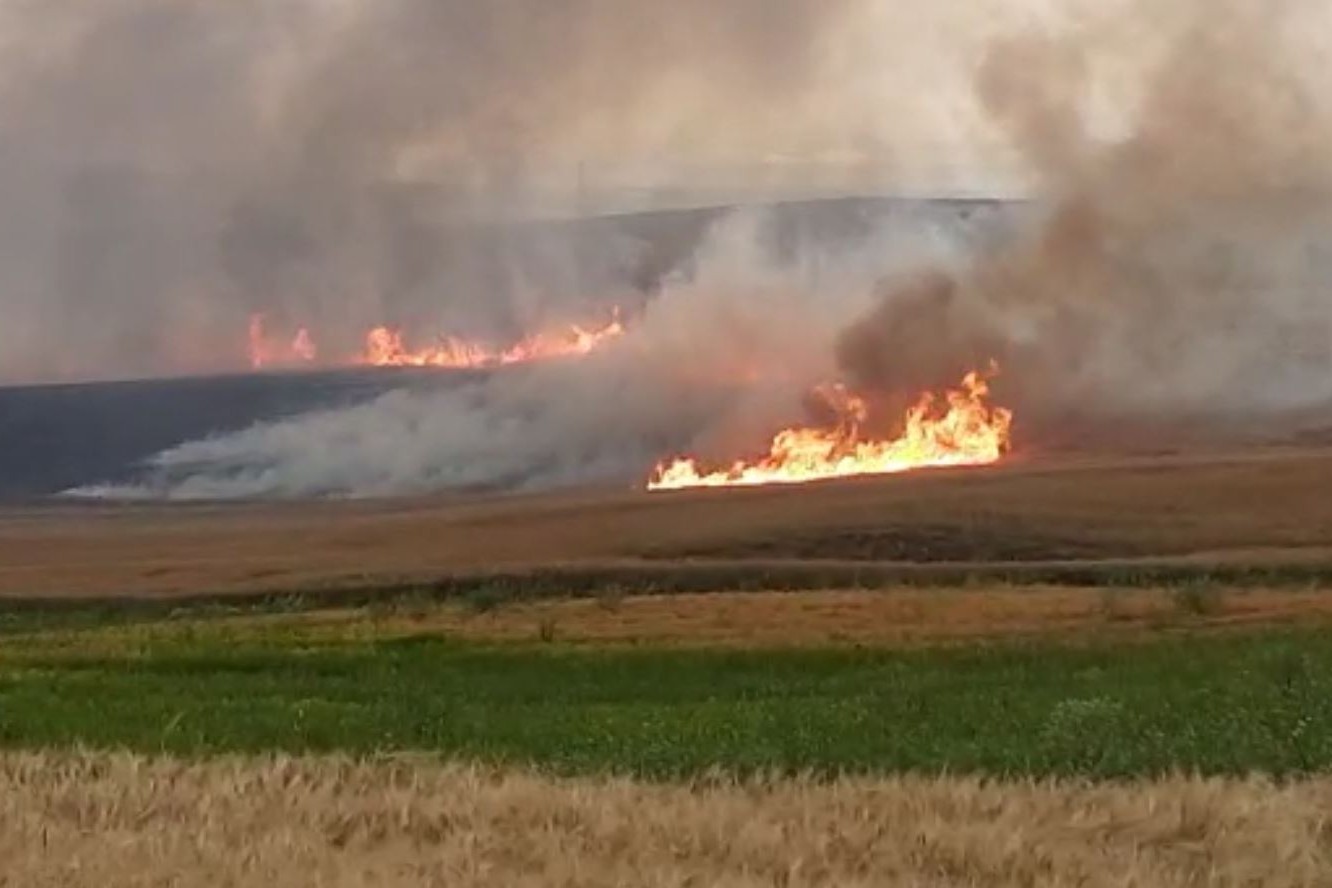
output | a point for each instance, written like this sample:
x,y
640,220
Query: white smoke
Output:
x,y
720,359
1181,268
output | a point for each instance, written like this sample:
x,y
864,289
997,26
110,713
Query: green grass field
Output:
x,y
1231,703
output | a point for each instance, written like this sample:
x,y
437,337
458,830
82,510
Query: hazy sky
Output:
x,y
782,92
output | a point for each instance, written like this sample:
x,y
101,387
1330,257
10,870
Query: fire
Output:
x,y
384,347
959,429
266,351
303,346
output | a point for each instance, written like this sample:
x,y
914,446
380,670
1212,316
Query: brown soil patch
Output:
x,y
113,820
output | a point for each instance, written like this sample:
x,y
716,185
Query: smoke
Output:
x,y
211,160
168,167
1182,263
723,357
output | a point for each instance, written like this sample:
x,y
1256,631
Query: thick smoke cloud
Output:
x,y
1183,262
169,166
1172,263
721,359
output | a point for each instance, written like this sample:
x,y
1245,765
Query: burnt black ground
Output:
x,y
55,437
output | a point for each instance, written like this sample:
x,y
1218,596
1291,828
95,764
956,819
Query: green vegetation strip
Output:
x,y
19,614
1210,704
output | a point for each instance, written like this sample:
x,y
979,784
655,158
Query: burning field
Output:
x,y
1167,279
384,347
966,431
749,443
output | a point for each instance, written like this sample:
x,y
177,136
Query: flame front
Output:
x,y
965,432
384,347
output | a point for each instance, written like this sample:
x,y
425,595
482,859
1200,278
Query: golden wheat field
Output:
x,y
85,820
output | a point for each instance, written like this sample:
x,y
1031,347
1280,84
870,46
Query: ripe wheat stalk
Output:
x,y
118,820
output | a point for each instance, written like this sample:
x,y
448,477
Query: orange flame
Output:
x,y
968,433
267,352
303,346
384,347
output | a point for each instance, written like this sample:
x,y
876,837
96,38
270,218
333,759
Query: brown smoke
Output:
x,y
1177,268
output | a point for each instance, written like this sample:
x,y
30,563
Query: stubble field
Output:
x,y
1109,518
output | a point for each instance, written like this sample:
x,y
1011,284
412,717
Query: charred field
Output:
x,y
47,428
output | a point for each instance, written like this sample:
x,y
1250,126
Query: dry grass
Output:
x,y
888,618
1251,507
881,619
120,821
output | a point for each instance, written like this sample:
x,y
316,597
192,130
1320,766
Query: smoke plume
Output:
x,y
186,163
1181,266
722,358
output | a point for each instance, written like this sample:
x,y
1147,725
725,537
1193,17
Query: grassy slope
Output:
x,y
1226,704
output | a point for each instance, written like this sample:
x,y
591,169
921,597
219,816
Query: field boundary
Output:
x,y
556,582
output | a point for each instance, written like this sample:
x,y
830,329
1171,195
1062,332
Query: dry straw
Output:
x,y
76,820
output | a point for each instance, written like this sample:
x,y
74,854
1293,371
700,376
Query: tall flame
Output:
x,y
384,347
968,432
